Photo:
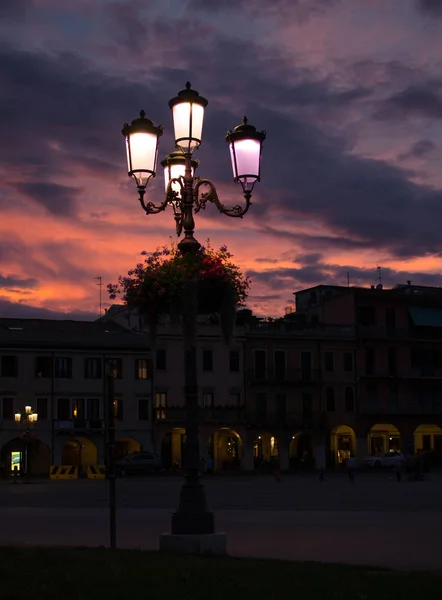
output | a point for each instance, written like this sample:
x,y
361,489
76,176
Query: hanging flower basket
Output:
x,y
182,286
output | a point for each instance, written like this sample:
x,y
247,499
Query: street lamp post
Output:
x,y
27,421
187,194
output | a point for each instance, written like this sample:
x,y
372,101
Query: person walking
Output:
x,y
352,465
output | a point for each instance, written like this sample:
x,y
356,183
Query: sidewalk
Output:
x,y
359,538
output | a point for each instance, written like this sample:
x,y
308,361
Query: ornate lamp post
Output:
x,y
187,194
27,421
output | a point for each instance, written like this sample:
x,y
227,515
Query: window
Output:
x,y
63,409
390,320
306,366
349,399
328,359
369,361
367,316
43,366
260,363
348,361
307,406
92,368
116,365
372,393
261,405
42,409
280,364
330,399
141,368
415,358
160,405
394,395
93,409
8,409
118,408
208,400
79,409
160,359
63,367
392,361
143,409
235,399
281,406
234,360
9,366
207,360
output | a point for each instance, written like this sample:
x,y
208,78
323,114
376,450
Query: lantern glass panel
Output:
x,y
188,120
247,153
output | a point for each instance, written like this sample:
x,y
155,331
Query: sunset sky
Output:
x,y
348,91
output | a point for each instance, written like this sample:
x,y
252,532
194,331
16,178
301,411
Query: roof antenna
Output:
x,y
100,284
379,285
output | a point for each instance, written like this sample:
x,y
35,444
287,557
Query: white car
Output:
x,y
387,459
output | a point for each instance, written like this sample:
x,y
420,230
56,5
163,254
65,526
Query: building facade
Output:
x,y
58,368
398,362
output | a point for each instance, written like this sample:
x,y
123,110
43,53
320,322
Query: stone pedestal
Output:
x,y
206,544
247,458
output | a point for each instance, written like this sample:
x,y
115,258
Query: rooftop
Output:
x,y
69,334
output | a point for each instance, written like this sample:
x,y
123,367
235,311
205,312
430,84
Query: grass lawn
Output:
x,y
100,574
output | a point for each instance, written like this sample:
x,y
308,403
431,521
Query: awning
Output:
x,y
426,317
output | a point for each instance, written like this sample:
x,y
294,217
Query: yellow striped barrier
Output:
x,y
63,472
96,472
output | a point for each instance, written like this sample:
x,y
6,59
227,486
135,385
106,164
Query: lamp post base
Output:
x,y
205,544
193,516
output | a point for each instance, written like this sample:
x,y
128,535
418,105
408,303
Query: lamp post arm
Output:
x,y
201,198
170,198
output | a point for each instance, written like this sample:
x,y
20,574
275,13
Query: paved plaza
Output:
x,y
377,521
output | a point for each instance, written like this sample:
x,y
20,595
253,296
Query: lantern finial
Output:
x,y
188,85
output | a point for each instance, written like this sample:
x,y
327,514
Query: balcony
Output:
x,y
292,421
417,409
413,374
291,330
217,414
292,377
78,425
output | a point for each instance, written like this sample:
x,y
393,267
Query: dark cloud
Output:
x,y
308,259
421,100
25,311
267,260
432,8
12,281
286,278
57,199
420,149
282,9
14,11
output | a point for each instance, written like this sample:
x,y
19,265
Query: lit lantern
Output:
x,y
28,410
175,167
188,116
245,151
17,417
142,139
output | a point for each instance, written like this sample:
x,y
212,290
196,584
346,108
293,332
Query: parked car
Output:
x,y
386,460
139,463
